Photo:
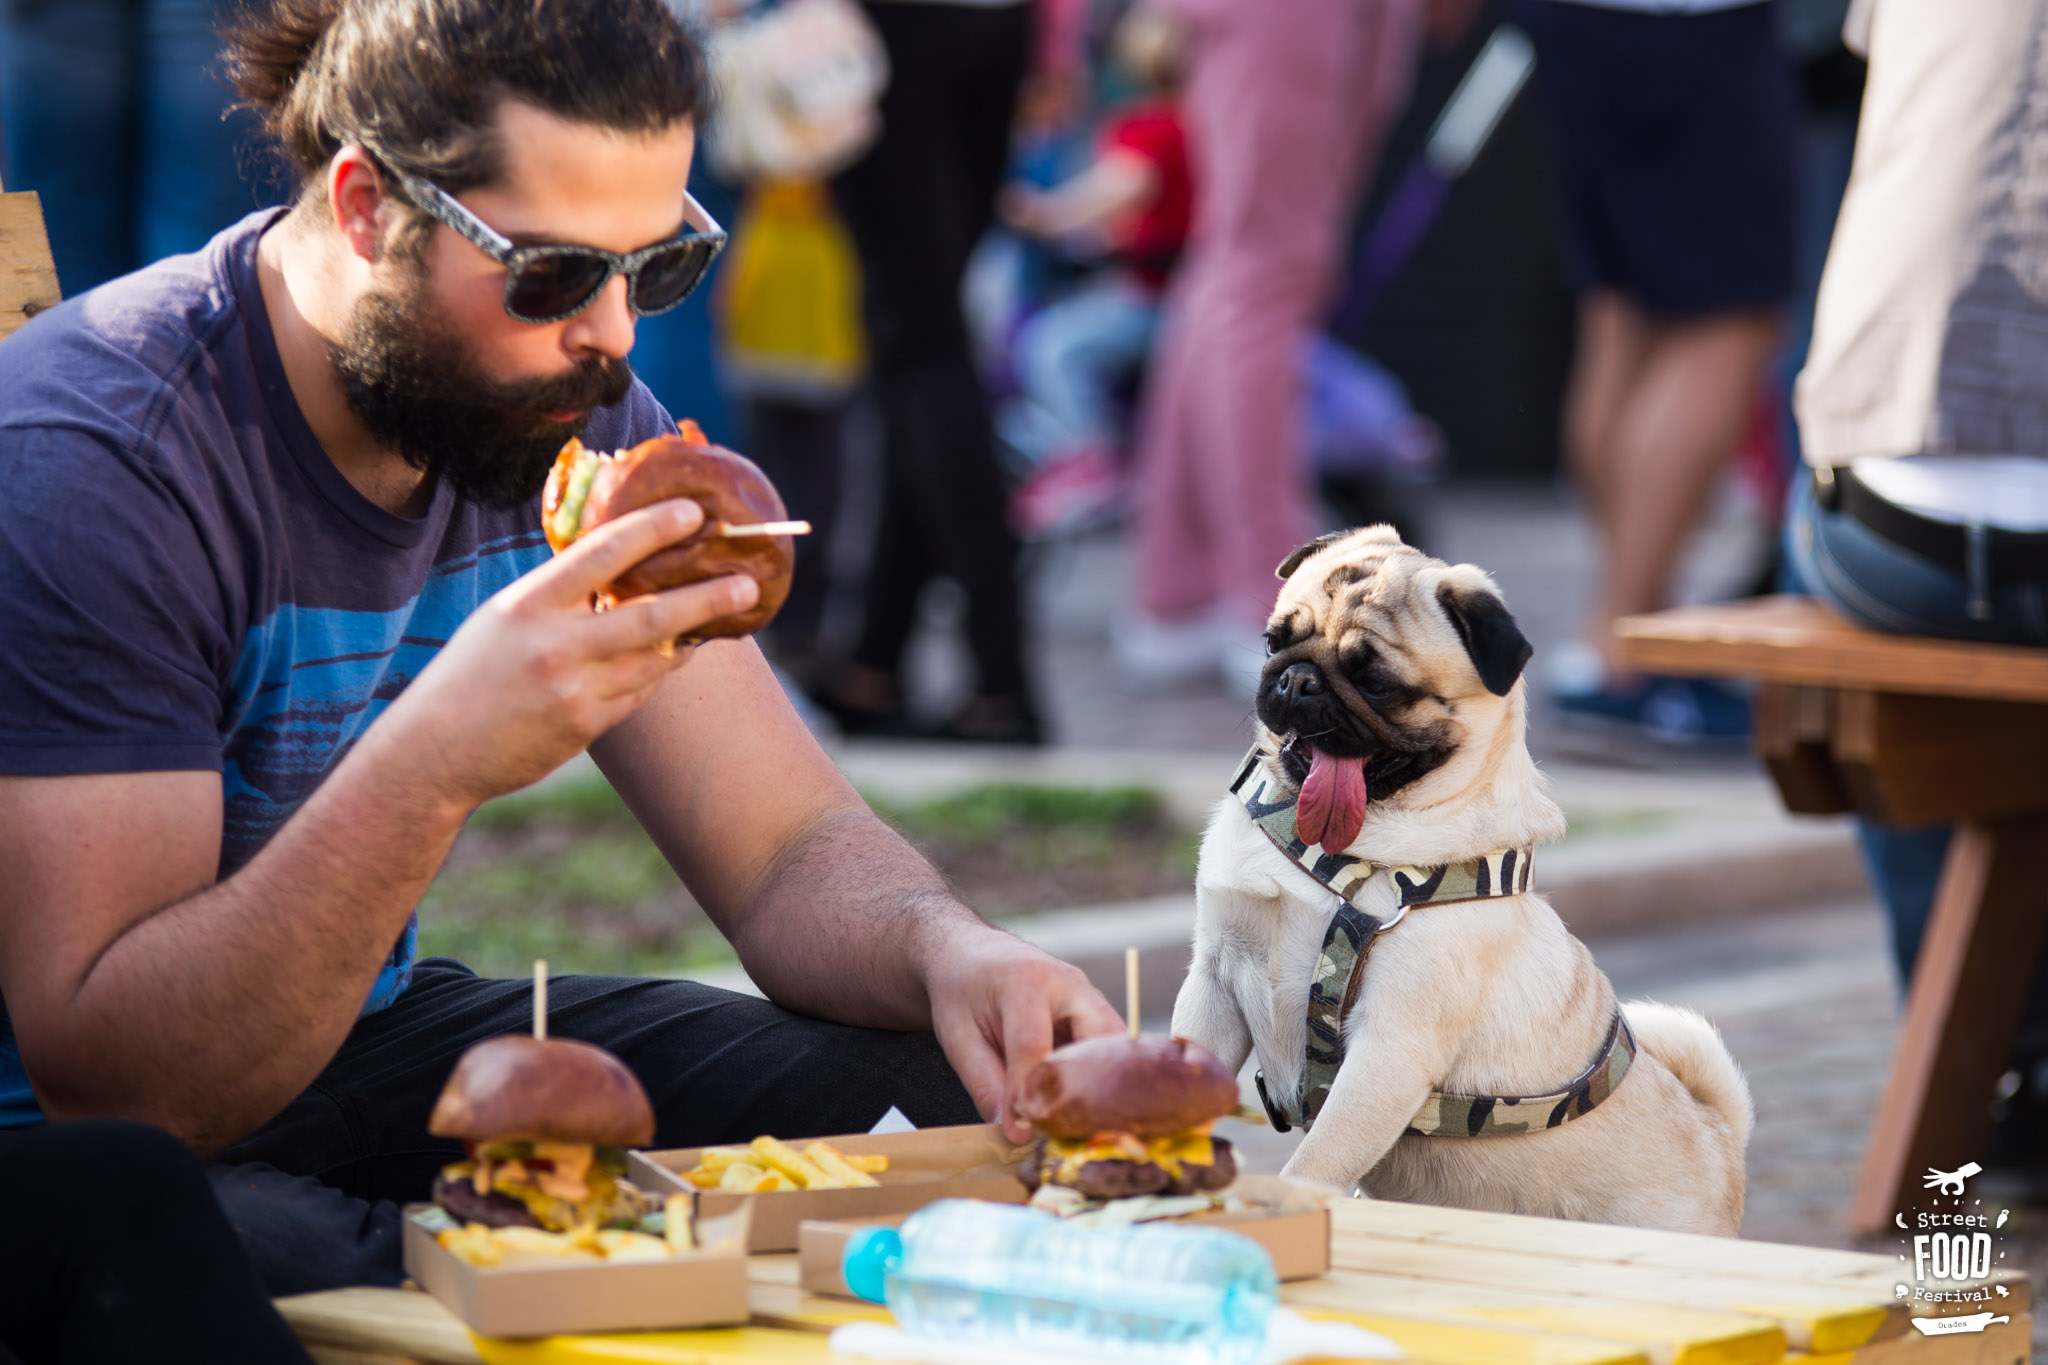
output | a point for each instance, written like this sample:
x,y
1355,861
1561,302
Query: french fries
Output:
x,y
486,1247
768,1164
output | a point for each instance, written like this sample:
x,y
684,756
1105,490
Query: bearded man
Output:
x,y
280,615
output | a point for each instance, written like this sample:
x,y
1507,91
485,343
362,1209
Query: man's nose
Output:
x,y
1299,680
606,326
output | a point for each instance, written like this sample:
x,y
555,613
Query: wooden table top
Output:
x,y
1448,1285
1797,640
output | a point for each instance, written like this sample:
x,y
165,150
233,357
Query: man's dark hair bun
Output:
x,y
419,82
269,45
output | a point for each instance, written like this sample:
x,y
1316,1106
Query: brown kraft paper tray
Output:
x,y
974,1161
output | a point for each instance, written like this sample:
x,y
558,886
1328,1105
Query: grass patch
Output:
x,y
564,871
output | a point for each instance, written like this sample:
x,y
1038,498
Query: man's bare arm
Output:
x,y
833,914
139,988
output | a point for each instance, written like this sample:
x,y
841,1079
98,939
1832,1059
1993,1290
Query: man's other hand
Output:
x,y
998,1006
534,675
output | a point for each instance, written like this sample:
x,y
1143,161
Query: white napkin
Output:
x,y
895,1121
1289,1336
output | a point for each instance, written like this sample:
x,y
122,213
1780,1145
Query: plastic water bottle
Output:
x,y
969,1271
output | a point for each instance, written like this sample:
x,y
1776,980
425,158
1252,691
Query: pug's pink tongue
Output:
x,y
1331,806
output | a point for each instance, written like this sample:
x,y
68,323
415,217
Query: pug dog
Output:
x,y
1392,711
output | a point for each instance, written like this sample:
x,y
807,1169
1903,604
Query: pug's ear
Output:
x,y
1293,561
1492,639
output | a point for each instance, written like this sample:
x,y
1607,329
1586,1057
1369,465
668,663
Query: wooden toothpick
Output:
x,y
1131,990
766,528
540,998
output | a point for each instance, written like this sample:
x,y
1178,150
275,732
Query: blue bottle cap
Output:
x,y
871,1253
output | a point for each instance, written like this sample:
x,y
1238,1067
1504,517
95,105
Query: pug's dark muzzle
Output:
x,y
1298,699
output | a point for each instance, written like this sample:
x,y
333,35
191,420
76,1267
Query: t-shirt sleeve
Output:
x,y
1148,134
116,652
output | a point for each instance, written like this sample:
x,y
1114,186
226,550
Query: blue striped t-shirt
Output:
x,y
187,581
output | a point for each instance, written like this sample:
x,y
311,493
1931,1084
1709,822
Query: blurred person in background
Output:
x,y
1923,411
1287,104
916,204
1675,131
1076,355
114,112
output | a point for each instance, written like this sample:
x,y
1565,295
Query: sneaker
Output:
x,y
1152,653
1066,494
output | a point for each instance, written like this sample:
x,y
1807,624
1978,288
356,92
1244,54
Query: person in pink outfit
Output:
x,y
1287,104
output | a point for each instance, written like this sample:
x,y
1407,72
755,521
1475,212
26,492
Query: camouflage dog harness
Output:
x,y
1340,970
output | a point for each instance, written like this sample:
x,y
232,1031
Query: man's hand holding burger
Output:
x,y
998,1006
534,675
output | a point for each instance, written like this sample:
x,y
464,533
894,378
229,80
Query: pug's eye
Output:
x,y
1373,690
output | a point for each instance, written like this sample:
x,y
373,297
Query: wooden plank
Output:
x,y
1963,1010
1810,1319
1796,640
1436,1343
2004,1343
1912,760
1815,1268
1666,1334
1791,727
401,1322
28,277
717,1346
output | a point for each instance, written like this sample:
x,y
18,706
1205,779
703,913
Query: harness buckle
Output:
x,y
1399,914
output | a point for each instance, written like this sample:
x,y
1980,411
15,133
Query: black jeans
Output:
x,y
915,205
315,1193
113,1251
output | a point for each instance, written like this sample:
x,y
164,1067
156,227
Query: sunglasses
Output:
x,y
550,283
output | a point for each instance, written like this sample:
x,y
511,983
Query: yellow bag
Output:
x,y
789,312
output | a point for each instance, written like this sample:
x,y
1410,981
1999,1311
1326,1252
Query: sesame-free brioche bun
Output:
x,y
516,1086
1153,1087
729,487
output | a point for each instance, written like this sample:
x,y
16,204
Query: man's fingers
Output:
x,y
642,623
603,554
978,1065
1088,1015
1027,1037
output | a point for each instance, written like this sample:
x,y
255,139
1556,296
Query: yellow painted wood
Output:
x,y
1442,1343
1836,1316
724,1346
400,1322
1667,1335
28,277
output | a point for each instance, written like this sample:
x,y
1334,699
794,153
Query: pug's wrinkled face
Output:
x,y
1373,650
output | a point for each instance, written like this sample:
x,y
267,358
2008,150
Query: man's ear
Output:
x,y
1293,561
1492,639
360,204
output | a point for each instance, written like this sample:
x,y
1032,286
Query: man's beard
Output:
x,y
417,390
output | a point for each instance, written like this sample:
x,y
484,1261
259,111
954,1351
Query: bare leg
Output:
x,y
1614,336
1671,434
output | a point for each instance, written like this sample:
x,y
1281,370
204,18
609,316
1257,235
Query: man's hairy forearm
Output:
x,y
841,924
210,1015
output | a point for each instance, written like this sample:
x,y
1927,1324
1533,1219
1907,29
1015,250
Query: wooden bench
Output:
x,y
1449,1286
1908,731
28,277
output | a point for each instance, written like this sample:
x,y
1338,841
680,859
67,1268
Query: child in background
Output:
x,y
1074,357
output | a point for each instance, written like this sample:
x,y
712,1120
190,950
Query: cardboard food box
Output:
x,y
974,1161
1292,1222
700,1289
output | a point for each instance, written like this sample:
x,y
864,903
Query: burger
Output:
x,y
588,488
1120,1117
544,1125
